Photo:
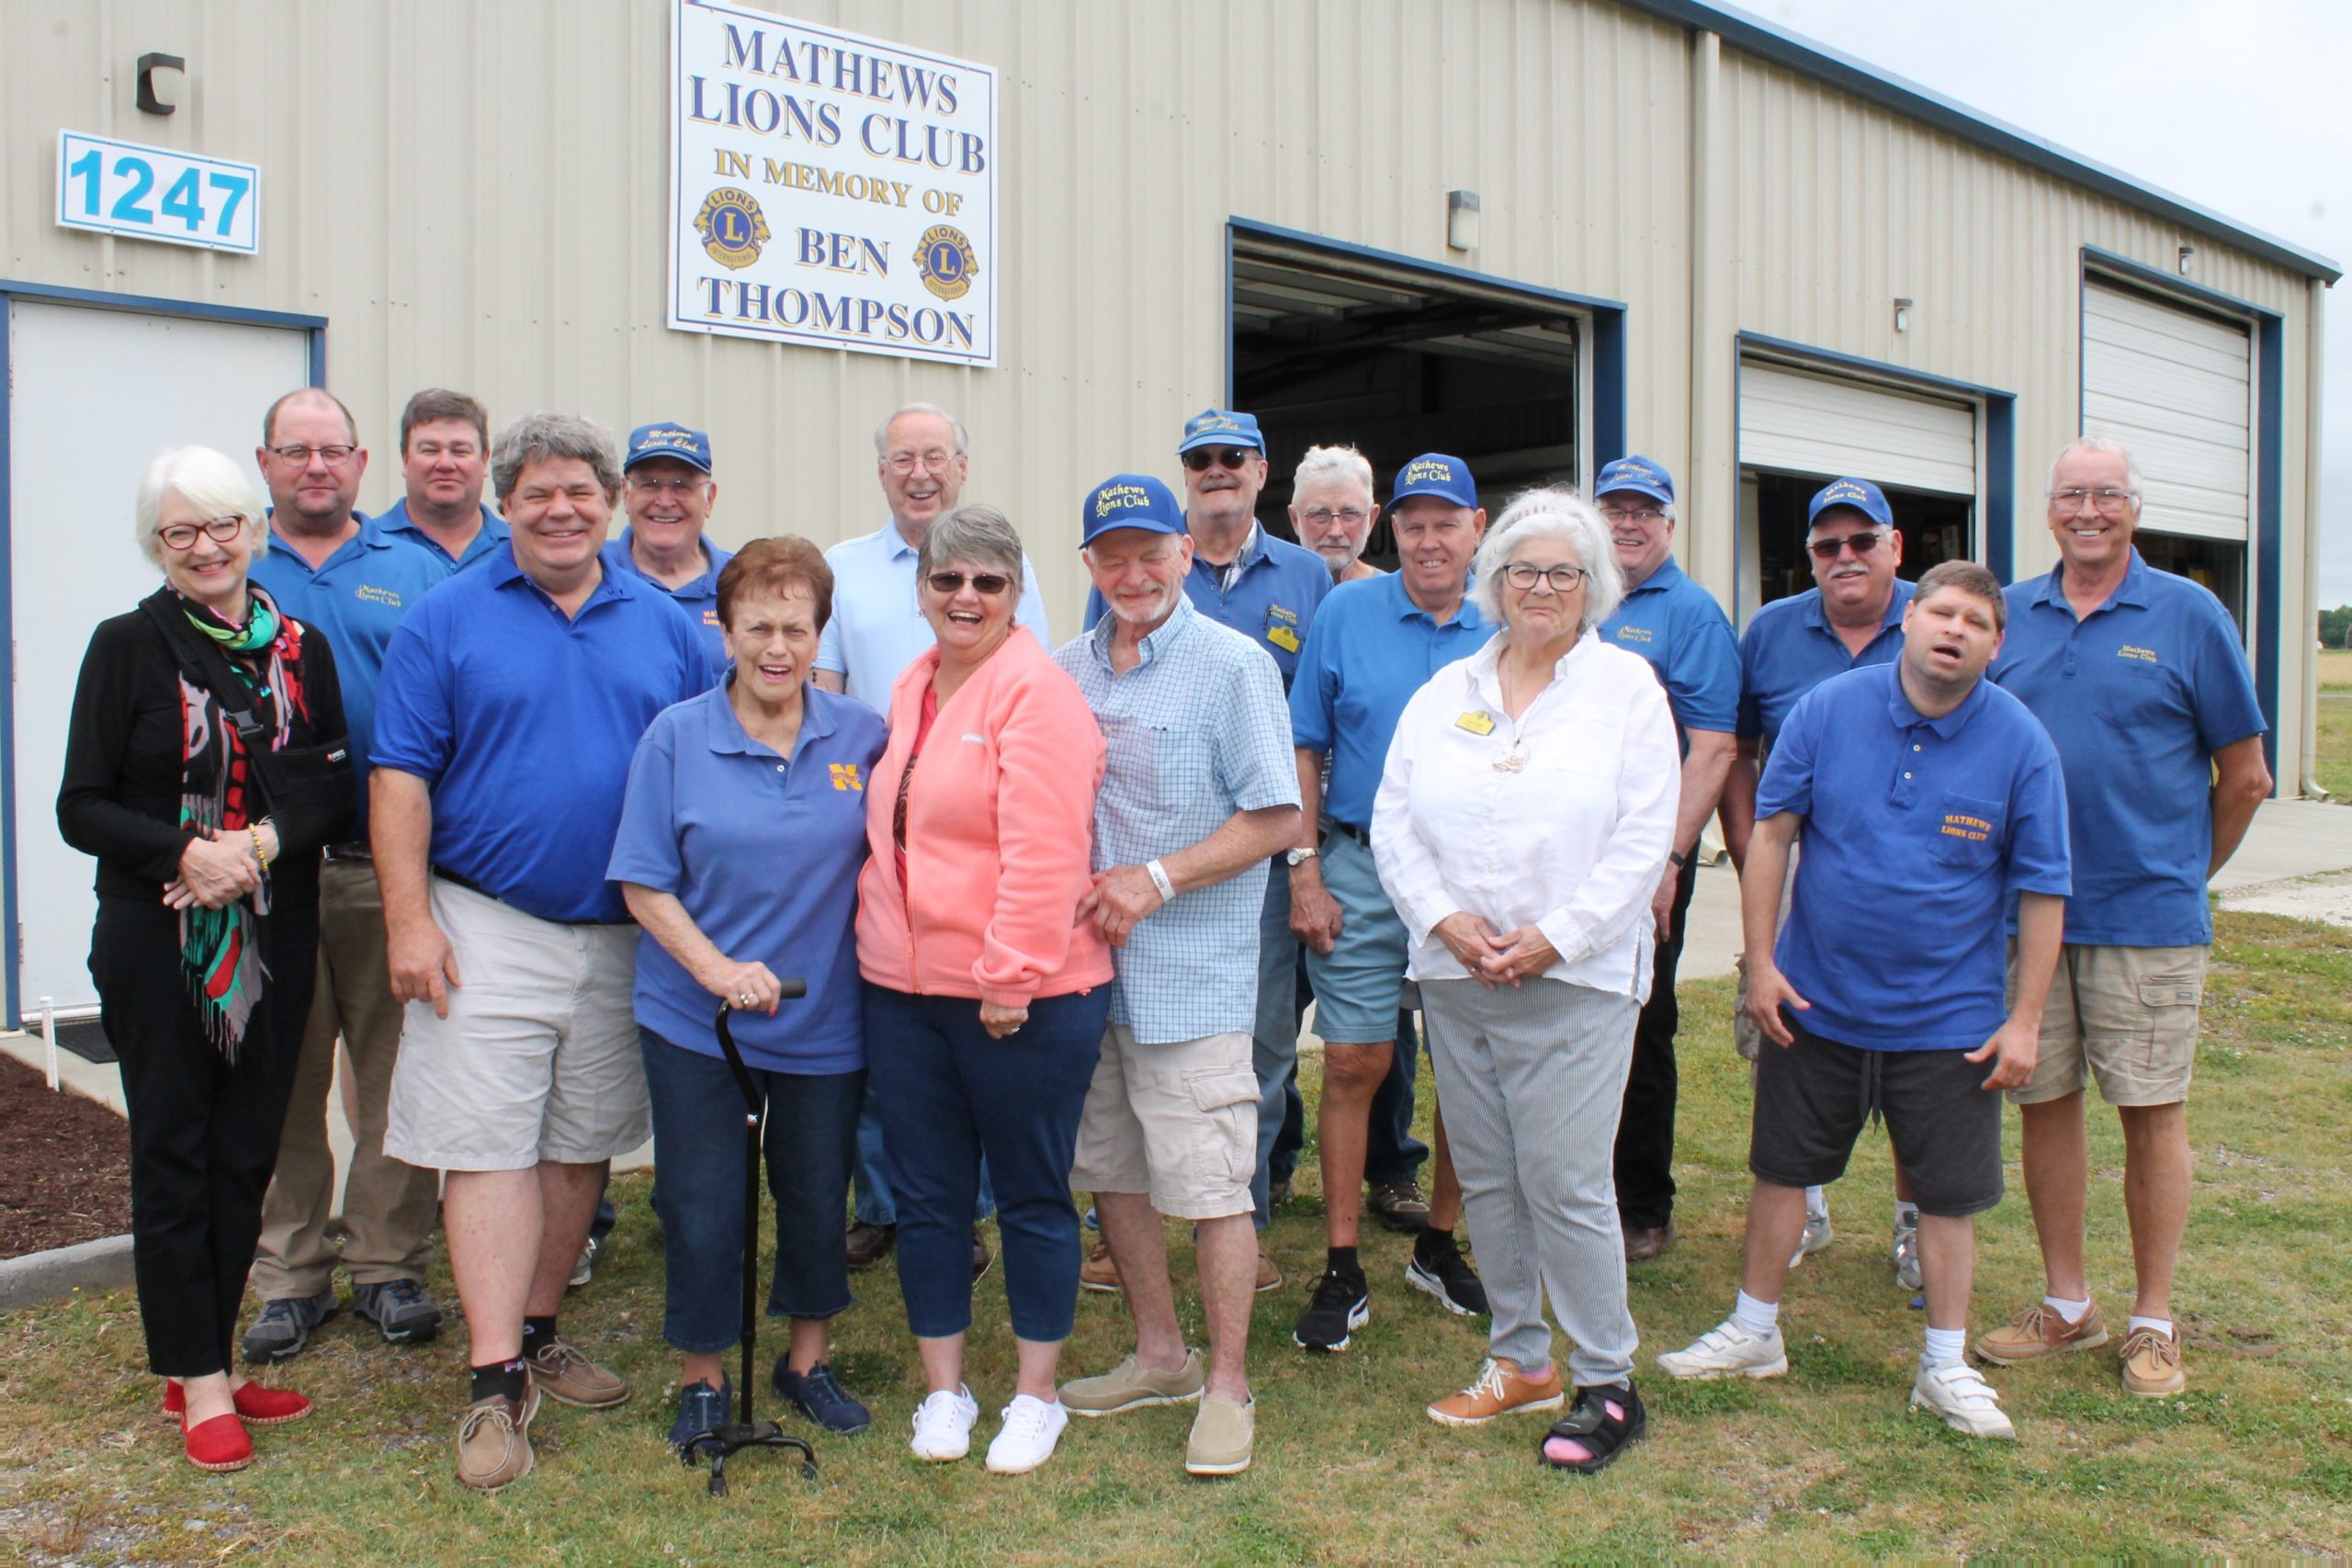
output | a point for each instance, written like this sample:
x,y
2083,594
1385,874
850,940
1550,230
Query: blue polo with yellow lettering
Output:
x,y
698,598
1678,627
2138,695
394,520
1370,650
1917,832
357,597
1790,647
1269,593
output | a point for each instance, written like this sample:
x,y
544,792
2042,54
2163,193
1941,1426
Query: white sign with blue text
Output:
x,y
830,189
154,193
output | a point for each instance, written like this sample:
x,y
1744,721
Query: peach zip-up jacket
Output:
x,y
999,837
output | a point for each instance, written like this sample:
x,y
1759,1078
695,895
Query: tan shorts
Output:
x,y
538,1058
1178,1122
2125,1016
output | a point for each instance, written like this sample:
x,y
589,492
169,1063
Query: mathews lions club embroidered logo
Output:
x,y
731,228
945,263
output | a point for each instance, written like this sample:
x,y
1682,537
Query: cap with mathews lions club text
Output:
x,y
1129,500
1638,475
1221,427
1860,494
1434,473
674,441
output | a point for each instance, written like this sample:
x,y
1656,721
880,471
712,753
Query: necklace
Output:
x,y
1515,760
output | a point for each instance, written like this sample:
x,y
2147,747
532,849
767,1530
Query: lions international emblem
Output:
x,y
731,228
945,263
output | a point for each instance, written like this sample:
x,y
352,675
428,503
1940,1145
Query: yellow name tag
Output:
x,y
1284,638
1476,722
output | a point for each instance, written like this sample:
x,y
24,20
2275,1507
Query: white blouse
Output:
x,y
1562,820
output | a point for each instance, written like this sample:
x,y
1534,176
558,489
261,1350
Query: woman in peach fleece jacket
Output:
x,y
986,995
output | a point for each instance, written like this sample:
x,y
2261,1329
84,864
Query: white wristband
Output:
x,y
1158,875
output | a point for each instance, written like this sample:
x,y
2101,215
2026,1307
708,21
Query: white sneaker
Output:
x,y
1727,1350
1026,1439
1817,1235
944,1425
1961,1395
1906,1252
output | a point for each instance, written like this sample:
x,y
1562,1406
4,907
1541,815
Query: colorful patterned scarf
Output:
x,y
219,957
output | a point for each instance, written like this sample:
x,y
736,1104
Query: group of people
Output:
x,y
511,814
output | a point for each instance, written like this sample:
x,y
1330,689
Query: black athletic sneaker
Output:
x,y
1342,1303
1439,1268
283,1329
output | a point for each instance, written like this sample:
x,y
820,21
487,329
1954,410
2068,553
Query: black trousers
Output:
x,y
1645,1131
203,1135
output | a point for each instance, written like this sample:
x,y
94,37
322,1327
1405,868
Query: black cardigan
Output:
x,y
121,800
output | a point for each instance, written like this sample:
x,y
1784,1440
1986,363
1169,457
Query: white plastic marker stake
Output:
x,y
49,1037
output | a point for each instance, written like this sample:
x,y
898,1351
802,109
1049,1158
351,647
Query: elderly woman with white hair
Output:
x,y
1521,823
205,765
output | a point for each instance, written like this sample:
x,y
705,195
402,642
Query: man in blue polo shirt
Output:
x,y
333,569
445,461
1374,644
1925,798
1852,616
1677,626
2140,677
667,485
513,700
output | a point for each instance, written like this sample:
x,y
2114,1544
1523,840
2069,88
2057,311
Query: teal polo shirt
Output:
x,y
394,520
1678,627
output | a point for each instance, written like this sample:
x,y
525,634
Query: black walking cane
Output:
x,y
748,1433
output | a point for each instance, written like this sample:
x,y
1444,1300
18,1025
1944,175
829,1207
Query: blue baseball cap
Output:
x,y
1129,500
1859,494
691,447
1636,474
1221,427
1434,473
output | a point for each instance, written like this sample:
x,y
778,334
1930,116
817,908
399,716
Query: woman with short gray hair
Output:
x,y
1522,821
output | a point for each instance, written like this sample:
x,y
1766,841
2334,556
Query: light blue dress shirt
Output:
x,y
877,629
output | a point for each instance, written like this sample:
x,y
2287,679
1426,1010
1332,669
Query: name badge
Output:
x,y
1479,723
1284,638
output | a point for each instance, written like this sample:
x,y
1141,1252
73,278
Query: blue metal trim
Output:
x,y
1609,440
1879,367
11,906
1760,38
1227,302
2001,487
1415,264
2097,258
1738,362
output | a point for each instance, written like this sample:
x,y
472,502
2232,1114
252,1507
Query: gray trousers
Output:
x,y
1532,1080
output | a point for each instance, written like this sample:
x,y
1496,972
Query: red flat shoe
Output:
x,y
218,1444
257,1406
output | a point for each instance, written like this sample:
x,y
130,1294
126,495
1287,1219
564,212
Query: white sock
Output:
x,y
2071,1311
1816,1202
2161,1325
1760,1318
1907,1213
1944,1348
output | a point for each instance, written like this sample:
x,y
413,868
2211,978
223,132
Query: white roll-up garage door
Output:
x,y
2175,386
1808,424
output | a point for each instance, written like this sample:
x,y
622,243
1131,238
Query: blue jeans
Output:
x,y
878,1203
698,1150
949,1094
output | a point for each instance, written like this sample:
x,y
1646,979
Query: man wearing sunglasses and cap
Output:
x,y
1852,616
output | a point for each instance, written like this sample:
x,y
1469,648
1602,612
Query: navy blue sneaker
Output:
x,y
700,1407
816,1395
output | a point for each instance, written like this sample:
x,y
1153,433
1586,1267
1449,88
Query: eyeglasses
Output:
x,y
182,535
673,486
1320,517
1562,579
2107,500
929,462
1234,458
301,456
988,585
1642,514
1861,544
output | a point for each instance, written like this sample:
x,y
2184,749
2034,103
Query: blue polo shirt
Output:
x,y
1273,600
711,817
1678,627
1790,647
394,520
698,598
1370,650
2138,695
1917,832
523,724
358,598
877,628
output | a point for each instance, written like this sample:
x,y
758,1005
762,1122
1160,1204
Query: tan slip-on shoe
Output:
x,y
1098,1272
566,1376
2038,1332
1223,1434
494,1440
2151,1366
1269,1277
1498,1390
1131,1385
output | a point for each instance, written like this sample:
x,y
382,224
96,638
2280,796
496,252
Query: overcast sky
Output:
x,y
2244,107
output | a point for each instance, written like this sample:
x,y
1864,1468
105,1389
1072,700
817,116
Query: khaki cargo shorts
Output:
x,y
2123,1016
1178,1122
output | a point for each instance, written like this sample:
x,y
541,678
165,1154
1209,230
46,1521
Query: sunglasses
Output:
x,y
1862,544
1234,458
988,584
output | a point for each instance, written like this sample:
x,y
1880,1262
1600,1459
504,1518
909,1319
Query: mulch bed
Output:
x,y
64,1166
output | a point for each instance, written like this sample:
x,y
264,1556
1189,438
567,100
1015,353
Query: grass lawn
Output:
x,y
2256,1458
2333,762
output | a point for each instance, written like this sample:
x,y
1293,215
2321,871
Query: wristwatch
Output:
x,y
1296,858
1678,860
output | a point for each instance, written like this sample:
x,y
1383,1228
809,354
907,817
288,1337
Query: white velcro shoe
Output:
x,y
1961,1395
944,1425
1727,1350
1026,1441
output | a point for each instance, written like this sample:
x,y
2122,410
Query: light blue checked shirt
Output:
x,y
1197,731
